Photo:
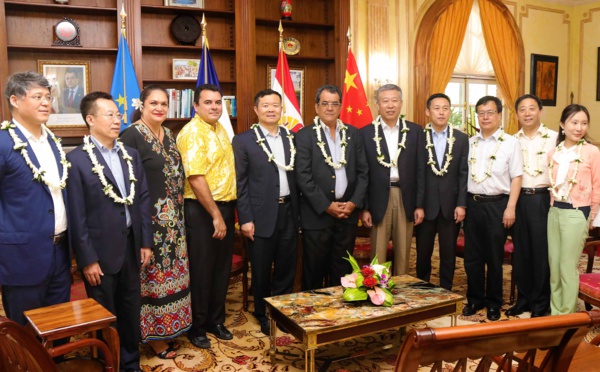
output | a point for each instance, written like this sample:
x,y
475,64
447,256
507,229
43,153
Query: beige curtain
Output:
x,y
505,47
436,64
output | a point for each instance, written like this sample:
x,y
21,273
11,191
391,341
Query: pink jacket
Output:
x,y
587,189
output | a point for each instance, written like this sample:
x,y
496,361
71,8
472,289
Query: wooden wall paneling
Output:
x,y
133,34
246,66
303,11
4,110
342,22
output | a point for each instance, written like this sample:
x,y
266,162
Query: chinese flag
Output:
x,y
355,110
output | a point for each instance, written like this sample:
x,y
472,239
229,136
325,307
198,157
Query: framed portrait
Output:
x,y
70,82
297,74
188,3
185,69
544,78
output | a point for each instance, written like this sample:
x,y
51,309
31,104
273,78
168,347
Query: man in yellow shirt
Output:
x,y
210,193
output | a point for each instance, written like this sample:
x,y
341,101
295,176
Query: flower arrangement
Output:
x,y
369,282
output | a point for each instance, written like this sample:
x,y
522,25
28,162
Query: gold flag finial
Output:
x,y
203,23
123,16
349,34
280,29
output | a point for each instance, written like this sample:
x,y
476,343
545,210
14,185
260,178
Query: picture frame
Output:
x,y
185,3
70,82
598,77
544,78
298,75
185,69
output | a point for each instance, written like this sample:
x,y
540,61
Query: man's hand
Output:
x,y
92,273
146,255
348,208
509,217
336,209
248,230
419,215
366,218
459,214
220,228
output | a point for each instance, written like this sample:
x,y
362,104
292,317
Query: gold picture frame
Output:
x,y
298,75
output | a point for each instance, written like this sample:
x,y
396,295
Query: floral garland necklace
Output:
x,y
573,180
321,144
431,162
261,143
97,168
533,172
401,144
473,159
39,174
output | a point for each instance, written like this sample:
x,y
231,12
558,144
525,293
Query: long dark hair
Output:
x,y
137,114
567,113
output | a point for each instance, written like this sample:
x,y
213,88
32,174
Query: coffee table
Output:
x,y
321,317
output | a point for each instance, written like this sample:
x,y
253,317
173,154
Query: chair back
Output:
x,y
20,351
498,343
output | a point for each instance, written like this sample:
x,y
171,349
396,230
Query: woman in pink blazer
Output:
x,y
574,167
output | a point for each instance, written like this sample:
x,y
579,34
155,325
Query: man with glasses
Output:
x,y
331,170
495,172
396,177
34,252
110,231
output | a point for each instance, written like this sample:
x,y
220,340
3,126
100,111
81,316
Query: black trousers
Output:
x,y
210,264
447,231
530,261
323,254
120,294
273,260
485,237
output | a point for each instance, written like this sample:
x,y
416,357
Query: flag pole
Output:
x,y
280,29
203,23
124,33
349,35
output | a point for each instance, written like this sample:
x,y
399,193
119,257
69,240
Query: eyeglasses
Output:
x,y
486,113
110,116
329,104
39,98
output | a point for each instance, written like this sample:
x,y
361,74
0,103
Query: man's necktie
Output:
x,y
71,97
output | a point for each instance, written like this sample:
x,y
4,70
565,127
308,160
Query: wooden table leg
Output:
x,y
272,342
111,337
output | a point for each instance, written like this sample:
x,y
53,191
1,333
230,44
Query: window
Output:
x,y
464,91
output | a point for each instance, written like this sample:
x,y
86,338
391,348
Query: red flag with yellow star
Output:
x,y
355,110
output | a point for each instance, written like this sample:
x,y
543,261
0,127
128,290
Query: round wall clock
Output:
x,y
66,33
185,29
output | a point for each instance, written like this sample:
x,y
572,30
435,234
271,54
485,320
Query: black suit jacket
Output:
x,y
98,225
316,179
450,190
258,183
74,107
411,169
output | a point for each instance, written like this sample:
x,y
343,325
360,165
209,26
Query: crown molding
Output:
x,y
571,2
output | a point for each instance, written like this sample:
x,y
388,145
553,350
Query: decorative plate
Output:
x,y
291,46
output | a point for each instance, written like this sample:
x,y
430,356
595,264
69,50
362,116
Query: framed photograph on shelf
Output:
x,y
188,3
69,81
185,69
544,78
297,74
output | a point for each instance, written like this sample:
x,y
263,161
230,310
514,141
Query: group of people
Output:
x,y
151,217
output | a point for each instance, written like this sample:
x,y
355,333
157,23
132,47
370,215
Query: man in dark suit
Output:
x,y
34,252
267,201
72,93
331,170
396,176
445,197
111,230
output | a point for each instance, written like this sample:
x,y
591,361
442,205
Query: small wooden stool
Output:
x,y
72,318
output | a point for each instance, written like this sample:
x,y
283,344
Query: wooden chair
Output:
x,y
498,343
239,264
589,283
20,351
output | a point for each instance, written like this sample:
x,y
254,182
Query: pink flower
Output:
x,y
377,295
349,281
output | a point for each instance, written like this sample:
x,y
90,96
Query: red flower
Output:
x,y
242,359
367,271
370,282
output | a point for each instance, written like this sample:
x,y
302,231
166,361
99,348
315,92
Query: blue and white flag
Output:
x,y
125,88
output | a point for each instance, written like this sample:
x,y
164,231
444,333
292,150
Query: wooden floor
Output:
x,y
587,358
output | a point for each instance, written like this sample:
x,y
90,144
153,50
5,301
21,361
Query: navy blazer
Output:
x,y
316,179
26,216
74,107
450,190
98,229
411,169
258,183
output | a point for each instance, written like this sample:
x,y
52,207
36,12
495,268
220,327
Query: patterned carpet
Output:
x,y
248,351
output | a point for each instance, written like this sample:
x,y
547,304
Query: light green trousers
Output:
x,y
567,232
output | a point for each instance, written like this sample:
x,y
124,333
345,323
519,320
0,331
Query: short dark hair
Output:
x,y
437,95
72,71
567,113
88,104
19,83
526,96
137,114
264,93
330,88
200,88
485,99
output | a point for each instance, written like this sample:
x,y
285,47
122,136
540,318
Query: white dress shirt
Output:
x,y
536,160
391,138
564,157
276,145
335,147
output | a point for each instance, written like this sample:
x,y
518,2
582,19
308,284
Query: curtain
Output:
x,y
505,47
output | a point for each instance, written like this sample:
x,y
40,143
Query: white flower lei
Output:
x,y
401,144
538,170
39,174
572,180
98,169
261,142
473,159
321,144
431,162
